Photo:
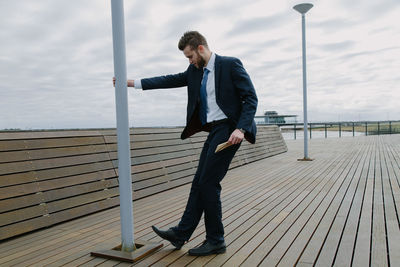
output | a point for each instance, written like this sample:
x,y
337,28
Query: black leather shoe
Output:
x,y
170,236
207,249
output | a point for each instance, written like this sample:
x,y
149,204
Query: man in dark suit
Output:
x,y
223,102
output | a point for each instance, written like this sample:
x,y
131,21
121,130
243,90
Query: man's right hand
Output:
x,y
130,83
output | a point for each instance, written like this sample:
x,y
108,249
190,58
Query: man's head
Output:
x,y
195,48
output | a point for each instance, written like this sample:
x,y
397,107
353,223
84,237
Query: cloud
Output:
x,y
335,47
333,25
372,9
181,23
368,52
257,24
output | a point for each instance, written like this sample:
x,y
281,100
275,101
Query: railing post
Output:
x,y
310,130
378,128
326,133
366,128
295,131
353,128
340,130
390,127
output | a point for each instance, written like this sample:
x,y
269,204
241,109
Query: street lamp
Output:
x,y
302,9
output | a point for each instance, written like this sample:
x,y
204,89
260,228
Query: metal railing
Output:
x,y
356,128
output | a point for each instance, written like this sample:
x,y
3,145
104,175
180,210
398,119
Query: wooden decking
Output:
x,y
340,209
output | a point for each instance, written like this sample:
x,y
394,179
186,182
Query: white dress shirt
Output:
x,y
214,113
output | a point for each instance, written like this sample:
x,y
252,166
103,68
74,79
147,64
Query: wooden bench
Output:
x,y
48,177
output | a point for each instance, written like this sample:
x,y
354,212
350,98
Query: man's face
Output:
x,y
194,57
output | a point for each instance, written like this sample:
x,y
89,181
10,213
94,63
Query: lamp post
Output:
x,y
129,250
121,99
302,9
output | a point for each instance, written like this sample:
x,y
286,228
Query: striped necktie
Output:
x,y
203,98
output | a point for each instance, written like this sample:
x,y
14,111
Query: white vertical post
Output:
x,y
302,9
121,101
303,26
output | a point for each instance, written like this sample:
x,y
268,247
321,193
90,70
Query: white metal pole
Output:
x,y
121,101
302,9
303,24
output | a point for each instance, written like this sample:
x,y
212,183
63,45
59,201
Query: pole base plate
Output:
x,y
143,249
305,159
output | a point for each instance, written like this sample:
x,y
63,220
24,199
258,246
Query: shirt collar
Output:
x,y
211,63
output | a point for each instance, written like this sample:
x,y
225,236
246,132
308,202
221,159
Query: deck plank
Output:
x,y
391,215
361,254
379,249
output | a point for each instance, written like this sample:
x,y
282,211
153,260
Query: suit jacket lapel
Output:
x,y
217,67
197,83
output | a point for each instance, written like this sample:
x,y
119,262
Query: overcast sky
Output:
x,y
56,62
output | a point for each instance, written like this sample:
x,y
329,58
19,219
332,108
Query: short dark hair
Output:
x,y
193,39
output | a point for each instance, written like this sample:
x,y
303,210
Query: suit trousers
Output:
x,y
205,193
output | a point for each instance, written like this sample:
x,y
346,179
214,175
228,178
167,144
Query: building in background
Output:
x,y
272,117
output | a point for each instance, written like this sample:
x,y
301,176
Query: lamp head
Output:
x,y
303,8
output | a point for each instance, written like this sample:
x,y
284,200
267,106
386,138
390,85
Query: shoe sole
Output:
x,y
174,243
177,246
218,251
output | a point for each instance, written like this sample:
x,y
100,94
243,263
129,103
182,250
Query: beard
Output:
x,y
201,63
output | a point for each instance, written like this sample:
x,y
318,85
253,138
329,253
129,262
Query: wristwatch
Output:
x,y
242,130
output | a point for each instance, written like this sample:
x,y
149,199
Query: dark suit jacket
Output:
x,y
235,94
